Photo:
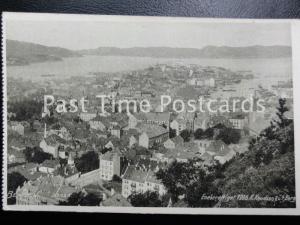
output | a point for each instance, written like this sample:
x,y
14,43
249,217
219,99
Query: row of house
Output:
x,y
46,190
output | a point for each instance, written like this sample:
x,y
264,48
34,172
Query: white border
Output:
x,y
295,33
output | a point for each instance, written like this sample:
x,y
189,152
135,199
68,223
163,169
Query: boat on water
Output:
x,y
228,90
48,75
237,81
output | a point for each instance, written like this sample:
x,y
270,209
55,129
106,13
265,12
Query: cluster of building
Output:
x,y
130,146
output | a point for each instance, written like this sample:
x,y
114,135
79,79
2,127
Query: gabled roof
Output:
x,y
50,163
81,134
151,177
116,200
152,130
54,139
109,156
52,187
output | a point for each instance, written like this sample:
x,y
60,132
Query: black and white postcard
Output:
x,y
150,114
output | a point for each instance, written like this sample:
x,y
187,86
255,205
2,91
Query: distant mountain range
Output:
x,y
206,52
22,53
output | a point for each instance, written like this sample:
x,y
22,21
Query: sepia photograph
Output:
x,y
149,114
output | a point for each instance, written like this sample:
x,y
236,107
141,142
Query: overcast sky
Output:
x,y
93,33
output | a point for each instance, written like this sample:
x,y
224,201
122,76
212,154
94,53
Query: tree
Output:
x,y
281,110
209,133
14,180
27,109
185,134
172,133
191,180
178,176
116,178
199,133
87,162
229,135
36,155
173,179
130,154
147,199
164,126
203,187
82,199
279,123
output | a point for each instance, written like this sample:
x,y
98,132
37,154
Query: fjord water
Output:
x,y
267,71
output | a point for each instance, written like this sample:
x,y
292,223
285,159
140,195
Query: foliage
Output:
x,y
14,180
199,133
185,134
26,109
172,133
187,179
87,162
281,110
229,135
36,155
208,133
82,199
116,178
203,187
147,199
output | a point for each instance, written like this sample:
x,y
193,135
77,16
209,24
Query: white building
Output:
x,y
87,116
207,82
110,165
152,134
178,125
203,144
239,122
51,144
140,181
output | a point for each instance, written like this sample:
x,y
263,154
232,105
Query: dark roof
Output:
x,y
50,163
136,175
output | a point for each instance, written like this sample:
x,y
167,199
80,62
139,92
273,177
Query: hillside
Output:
x,y
266,170
206,52
23,53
